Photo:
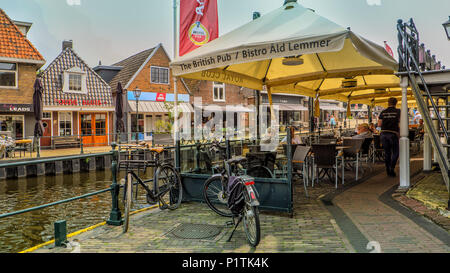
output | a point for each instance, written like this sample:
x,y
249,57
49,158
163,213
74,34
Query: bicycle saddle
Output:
x,y
237,159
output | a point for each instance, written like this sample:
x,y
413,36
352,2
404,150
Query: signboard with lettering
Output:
x,y
76,102
16,107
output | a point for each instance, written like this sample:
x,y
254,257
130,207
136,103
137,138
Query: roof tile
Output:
x,y
13,44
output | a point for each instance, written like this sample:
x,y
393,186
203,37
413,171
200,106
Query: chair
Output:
x,y
378,148
300,164
413,139
325,159
367,149
352,154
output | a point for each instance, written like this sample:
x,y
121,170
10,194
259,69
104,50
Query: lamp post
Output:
x,y
137,93
447,28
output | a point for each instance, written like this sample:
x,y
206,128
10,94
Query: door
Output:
x,y
101,137
86,127
93,129
148,127
46,140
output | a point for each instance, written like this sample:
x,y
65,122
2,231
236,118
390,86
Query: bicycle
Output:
x,y
219,188
167,190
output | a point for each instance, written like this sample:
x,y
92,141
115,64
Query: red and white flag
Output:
x,y
199,24
388,49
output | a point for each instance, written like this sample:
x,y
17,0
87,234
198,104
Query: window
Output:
x,y
47,115
218,91
8,75
159,75
86,124
13,125
75,82
100,124
65,124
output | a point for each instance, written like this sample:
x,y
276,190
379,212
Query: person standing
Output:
x,y
389,121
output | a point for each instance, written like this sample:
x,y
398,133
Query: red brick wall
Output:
x,y
143,78
233,94
24,93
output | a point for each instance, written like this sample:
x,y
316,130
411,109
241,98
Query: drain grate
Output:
x,y
195,231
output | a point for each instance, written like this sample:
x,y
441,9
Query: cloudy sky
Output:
x,y
111,30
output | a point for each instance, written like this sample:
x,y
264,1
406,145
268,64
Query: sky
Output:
x,y
112,30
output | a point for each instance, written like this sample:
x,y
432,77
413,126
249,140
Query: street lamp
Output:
x,y
137,93
447,28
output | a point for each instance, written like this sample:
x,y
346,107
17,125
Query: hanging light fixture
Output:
x,y
293,60
349,82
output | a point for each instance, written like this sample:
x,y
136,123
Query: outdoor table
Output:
x,y
24,143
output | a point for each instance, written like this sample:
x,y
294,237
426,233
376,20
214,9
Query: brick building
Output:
x,y
148,71
77,101
19,62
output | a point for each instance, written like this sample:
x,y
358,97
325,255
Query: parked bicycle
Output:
x,y
231,193
167,190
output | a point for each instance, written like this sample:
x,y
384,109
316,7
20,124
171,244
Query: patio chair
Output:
x,y
325,160
378,148
352,154
300,165
367,150
413,140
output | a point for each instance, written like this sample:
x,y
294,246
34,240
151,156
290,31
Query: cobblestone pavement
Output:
x,y
379,222
431,191
311,229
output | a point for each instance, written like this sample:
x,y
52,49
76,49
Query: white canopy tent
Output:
x,y
325,54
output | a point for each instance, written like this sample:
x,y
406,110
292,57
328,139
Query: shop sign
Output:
x,y
161,97
83,102
16,108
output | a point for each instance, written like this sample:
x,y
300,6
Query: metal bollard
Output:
x,y
115,217
60,233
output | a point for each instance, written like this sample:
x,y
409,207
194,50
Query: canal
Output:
x,y
23,231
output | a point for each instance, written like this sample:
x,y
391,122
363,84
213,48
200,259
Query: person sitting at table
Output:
x,y
363,132
420,130
295,138
372,128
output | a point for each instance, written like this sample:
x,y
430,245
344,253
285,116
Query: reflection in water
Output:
x,y
27,230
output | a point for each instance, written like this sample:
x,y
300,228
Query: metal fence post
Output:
x,y
228,151
81,145
289,170
177,155
115,217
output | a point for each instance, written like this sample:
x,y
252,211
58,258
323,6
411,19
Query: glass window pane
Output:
x,y
7,66
7,79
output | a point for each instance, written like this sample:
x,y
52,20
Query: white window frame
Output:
x,y
16,77
23,128
49,112
78,71
219,85
160,67
71,122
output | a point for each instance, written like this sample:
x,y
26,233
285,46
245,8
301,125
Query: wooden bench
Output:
x,y
66,142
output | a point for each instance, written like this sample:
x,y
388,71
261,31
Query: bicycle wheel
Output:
x,y
251,225
216,197
169,186
128,197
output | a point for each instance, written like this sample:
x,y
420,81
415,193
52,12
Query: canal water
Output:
x,y
23,231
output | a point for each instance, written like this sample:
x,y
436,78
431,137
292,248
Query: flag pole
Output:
x,y
175,55
175,87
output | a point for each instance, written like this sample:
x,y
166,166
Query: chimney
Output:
x,y
66,44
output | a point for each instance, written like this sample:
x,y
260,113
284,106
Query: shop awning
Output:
x,y
158,107
227,108
288,107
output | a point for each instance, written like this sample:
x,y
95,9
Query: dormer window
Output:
x,y
75,81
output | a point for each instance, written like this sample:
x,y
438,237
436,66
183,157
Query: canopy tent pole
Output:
x,y
272,113
404,137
